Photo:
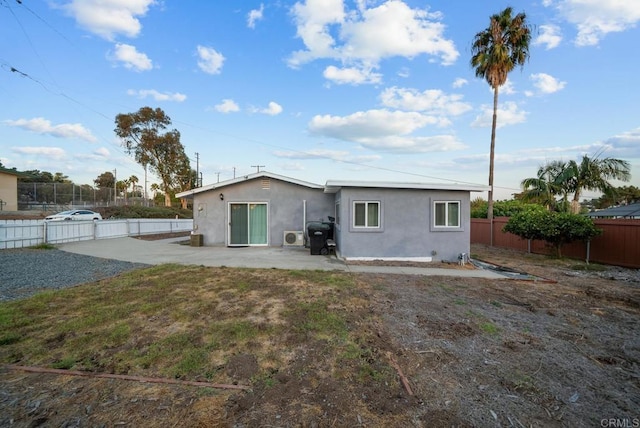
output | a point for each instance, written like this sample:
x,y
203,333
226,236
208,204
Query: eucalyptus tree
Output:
x,y
144,134
496,51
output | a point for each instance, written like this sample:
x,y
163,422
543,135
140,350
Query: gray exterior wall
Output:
x,y
406,225
285,202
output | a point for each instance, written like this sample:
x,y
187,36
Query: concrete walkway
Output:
x,y
170,251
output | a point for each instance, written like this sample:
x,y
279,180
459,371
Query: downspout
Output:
x,y
304,214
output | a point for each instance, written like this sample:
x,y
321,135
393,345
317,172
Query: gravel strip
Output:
x,y
25,272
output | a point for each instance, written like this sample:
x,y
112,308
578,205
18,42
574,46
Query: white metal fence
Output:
x,y
27,233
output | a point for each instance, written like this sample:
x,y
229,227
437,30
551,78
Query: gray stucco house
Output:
x,y
373,220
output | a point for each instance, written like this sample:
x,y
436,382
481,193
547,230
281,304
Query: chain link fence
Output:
x,y
64,196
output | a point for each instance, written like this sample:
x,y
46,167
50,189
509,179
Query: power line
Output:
x,y
35,51
60,93
324,157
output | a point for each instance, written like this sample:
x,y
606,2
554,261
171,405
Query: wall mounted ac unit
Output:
x,y
293,237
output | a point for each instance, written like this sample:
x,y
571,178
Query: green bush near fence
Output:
x,y
133,211
552,227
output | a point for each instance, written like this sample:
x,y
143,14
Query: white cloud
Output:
x,y
273,109
508,114
594,19
431,100
313,154
292,166
102,152
55,153
335,155
625,145
227,106
368,123
507,88
404,72
158,96
108,18
43,126
211,61
368,35
351,75
460,82
549,37
394,29
384,130
547,84
313,19
255,15
131,58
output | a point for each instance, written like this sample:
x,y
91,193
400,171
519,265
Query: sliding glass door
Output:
x,y
248,224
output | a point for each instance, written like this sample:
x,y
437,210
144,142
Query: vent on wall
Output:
x,y
293,237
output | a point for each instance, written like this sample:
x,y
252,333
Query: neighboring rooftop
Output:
x,y
623,211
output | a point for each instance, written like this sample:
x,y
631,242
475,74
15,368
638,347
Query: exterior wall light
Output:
x,y
221,197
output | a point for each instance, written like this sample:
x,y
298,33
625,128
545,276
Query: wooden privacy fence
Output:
x,y
618,245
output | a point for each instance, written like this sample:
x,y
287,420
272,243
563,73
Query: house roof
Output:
x,y
261,174
624,211
10,171
333,186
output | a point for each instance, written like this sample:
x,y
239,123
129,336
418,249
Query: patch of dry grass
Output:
x,y
180,321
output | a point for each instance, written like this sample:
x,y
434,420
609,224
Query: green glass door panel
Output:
x,y
239,225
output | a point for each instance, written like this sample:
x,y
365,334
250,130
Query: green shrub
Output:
x,y
135,211
554,228
501,208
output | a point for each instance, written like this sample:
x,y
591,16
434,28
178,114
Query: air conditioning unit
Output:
x,y
293,238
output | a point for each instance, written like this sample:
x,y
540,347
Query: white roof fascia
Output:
x,y
246,177
332,186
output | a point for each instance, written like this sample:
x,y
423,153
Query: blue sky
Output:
x,y
317,89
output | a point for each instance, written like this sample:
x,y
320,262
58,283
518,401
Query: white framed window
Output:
x,y
446,214
366,214
337,213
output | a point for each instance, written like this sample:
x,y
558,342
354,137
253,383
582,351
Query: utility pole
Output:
x,y
146,199
218,174
257,166
198,169
115,187
234,172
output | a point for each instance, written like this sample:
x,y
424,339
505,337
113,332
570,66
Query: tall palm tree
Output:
x,y
496,51
546,185
593,174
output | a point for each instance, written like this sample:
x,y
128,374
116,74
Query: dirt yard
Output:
x,y
560,350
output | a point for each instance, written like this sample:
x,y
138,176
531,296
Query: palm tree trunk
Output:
x,y
491,160
575,203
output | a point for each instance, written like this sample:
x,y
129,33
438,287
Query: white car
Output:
x,y
74,215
